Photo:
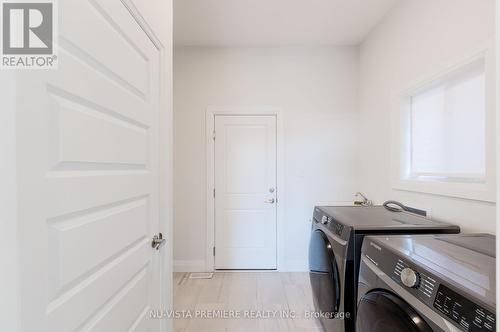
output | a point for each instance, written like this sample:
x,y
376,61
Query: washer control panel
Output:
x,y
467,314
338,229
463,312
330,223
411,277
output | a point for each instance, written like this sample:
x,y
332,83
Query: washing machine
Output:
x,y
427,283
334,254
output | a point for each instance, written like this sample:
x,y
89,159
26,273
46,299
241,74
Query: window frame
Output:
x,y
462,186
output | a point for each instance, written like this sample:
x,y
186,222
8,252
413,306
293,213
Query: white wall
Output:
x,y
414,38
317,90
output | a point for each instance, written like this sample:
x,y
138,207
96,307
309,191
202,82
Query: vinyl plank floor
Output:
x,y
244,301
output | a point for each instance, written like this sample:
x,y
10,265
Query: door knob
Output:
x,y
158,241
270,201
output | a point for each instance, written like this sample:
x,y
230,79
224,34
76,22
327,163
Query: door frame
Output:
x,y
211,113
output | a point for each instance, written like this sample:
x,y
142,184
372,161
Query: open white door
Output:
x,y
87,170
245,184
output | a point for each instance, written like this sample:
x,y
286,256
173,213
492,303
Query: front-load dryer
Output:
x,y
423,283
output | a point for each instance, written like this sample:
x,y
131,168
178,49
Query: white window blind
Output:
x,y
447,126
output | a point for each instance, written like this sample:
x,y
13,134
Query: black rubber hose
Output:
x,y
395,206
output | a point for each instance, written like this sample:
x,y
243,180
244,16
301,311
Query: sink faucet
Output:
x,y
364,202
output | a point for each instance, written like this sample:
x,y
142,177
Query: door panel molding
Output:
x,y
211,113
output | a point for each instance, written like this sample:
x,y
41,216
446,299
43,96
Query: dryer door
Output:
x,y
382,311
323,273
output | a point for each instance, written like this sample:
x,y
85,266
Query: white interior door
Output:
x,y
245,200
87,155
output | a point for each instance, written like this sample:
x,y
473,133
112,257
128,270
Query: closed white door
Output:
x,y
87,155
245,199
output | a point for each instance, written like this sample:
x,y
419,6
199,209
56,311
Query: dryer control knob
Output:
x,y
410,278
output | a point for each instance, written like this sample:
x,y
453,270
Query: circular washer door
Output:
x,y
323,273
382,311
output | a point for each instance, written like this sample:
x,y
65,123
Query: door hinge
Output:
x,y
214,251
214,192
213,135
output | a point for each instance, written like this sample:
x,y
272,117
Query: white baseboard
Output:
x,y
189,266
199,266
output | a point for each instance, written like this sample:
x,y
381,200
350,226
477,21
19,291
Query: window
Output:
x,y
447,127
444,131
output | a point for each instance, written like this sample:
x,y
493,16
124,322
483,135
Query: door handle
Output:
x,y
158,241
270,201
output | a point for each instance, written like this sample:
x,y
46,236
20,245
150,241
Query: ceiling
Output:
x,y
275,22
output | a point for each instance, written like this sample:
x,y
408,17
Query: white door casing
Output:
x,y
88,177
245,200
